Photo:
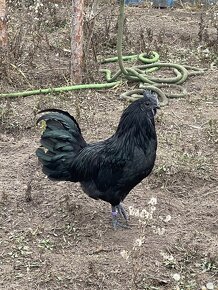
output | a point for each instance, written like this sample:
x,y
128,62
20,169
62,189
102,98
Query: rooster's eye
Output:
x,y
147,104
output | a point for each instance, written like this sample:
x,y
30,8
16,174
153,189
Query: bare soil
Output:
x,y
52,236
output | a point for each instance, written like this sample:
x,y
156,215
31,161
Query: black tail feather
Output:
x,y
60,114
62,141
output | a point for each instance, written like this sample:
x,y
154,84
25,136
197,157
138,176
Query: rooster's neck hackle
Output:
x,y
136,123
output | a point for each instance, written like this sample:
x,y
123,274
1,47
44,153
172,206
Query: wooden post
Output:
x,y
3,25
77,41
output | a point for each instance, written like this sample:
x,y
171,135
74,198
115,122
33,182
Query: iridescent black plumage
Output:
x,y
109,169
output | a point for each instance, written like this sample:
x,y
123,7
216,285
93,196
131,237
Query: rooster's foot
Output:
x,y
118,209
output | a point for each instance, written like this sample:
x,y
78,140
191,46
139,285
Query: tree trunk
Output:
x,y
3,40
3,25
77,41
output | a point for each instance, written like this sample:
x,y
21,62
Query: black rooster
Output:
x,y
106,170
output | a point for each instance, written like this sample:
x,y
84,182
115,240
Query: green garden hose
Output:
x,y
138,73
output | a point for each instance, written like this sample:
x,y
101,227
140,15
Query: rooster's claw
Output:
x,y
118,209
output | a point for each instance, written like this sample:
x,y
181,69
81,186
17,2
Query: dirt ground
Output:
x,y
52,236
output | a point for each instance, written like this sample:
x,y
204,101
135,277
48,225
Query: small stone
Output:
x,y
167,218
210,286
124,254
176,277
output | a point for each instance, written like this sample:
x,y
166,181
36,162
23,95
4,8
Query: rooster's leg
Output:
x,y
118,209
122,211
